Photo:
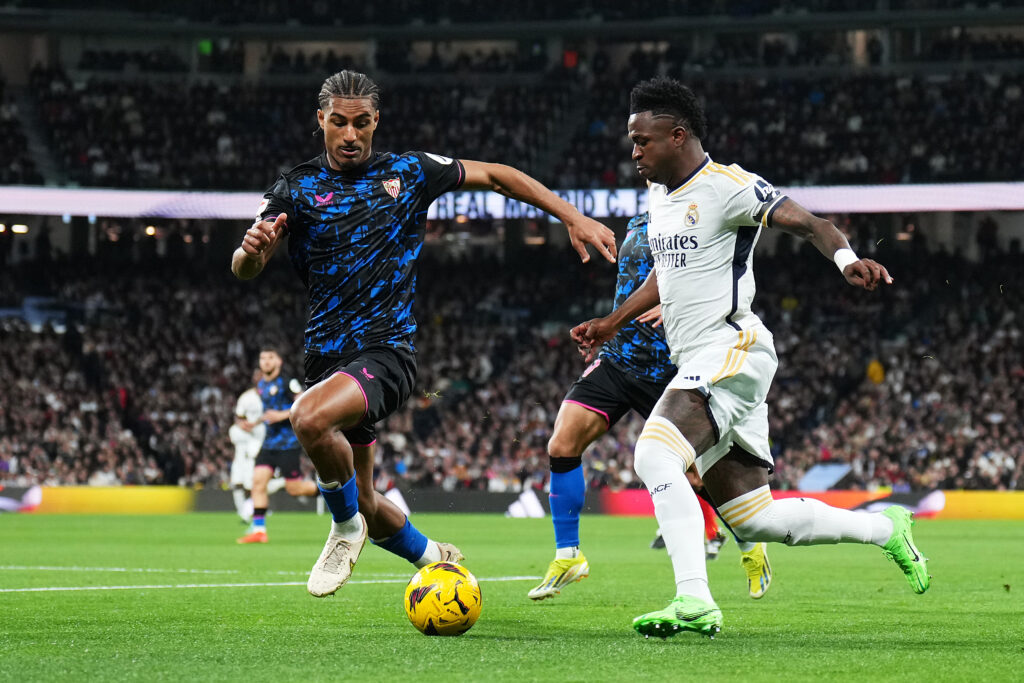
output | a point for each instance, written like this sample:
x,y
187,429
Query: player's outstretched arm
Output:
x,y
796,220
513,183
257,247
592,333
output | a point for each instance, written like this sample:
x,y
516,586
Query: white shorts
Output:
x,y
735,375
247,448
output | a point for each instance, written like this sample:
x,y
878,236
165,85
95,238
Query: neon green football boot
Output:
x,y
900,549
758,569
684,613
560,574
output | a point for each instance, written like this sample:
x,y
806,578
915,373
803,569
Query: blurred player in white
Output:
x,y
705,220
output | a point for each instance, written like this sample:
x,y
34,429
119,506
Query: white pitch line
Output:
x,y
158,570
48,589
44,568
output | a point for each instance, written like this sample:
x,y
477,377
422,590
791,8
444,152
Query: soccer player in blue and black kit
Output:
x,y
630,373
280,450
355,221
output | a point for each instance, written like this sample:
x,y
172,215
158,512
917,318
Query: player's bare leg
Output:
x,y
741,481
576,427
388,526
318,416
257,532
301,487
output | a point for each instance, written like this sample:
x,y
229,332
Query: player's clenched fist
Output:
x,y
262,234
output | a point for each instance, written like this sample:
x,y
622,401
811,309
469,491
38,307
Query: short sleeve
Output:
x,y
276,200
754,202
441,174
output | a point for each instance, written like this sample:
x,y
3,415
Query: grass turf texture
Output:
x,y
833,612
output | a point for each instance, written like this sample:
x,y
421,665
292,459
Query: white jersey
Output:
x,y
702,236
250,407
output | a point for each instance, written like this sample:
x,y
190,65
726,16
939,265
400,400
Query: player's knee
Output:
x,y
308,422
646,457
561,447
660,444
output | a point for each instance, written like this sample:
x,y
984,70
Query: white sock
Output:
x,y
352,528
570,553
432,553
239,497
755,516
661,458
745,546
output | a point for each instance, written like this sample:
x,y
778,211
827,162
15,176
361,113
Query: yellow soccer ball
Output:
x,y
443,599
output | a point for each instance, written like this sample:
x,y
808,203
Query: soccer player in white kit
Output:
x,y
705,220
246,435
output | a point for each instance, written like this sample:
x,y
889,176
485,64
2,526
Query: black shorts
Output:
x,y
385,375
611,393
287,462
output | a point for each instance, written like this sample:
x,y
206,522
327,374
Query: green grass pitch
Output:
x,y
833,612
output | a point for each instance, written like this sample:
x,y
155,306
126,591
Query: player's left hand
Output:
x,y
584,231
652,316
867,274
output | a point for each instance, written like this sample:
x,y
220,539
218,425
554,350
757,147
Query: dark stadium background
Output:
x,y
124,340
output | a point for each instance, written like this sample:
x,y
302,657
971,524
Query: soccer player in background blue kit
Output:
x,y
355,221
280,450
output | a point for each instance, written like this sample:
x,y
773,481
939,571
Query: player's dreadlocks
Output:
x,y
668,97
349,84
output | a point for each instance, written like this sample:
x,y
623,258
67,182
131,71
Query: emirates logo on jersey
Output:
x,y
692,216
392,187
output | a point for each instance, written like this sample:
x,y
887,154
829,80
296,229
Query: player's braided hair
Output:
x,y
349,84
668,97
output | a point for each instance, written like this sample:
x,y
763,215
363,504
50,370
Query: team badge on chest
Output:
x,y
692,216
392,187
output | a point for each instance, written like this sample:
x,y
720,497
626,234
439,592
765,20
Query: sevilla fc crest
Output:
x,y
393,187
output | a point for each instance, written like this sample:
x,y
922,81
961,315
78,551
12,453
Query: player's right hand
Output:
x,y
262,234
592,334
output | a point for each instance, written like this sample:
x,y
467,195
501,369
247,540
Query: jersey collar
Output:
x,y
687,179
357,172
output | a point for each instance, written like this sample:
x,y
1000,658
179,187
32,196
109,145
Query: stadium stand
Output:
x,y
912,386
16,165
806,131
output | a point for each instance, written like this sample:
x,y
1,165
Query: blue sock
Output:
x,y
566,498
343,502
259,519
408,542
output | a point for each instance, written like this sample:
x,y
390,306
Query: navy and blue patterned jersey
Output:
x,y
278,394
638,348
353,237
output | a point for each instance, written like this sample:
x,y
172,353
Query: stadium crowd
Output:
x,y
321,12
866,129
16,165
913,386
120,134
807,130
